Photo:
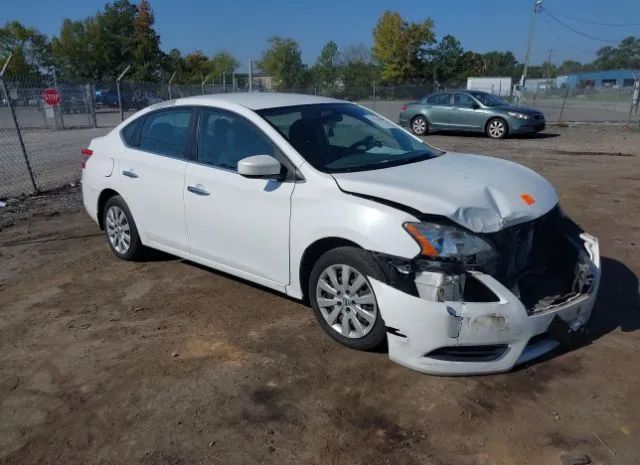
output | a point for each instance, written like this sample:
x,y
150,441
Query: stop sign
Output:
x,y
51,96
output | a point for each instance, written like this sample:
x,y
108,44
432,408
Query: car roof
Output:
x,y
257,100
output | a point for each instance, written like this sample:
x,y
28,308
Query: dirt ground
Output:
x,y
165,362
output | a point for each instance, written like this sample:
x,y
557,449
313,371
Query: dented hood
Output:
x,y
481,193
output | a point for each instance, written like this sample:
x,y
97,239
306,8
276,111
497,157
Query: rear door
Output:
x,y
151,176
466,114
439,109
237,224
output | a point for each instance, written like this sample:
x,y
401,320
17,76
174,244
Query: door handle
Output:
x,y
129,174
198,190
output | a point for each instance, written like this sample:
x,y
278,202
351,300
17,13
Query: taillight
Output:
x,y
404,107
86,153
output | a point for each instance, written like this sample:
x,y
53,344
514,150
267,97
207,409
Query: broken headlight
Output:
x,y
445,242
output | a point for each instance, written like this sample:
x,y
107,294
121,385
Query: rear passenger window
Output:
x,y
439,99
130,132
224,139
166,132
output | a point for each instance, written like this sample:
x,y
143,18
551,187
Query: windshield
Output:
x,y
342,137
488,100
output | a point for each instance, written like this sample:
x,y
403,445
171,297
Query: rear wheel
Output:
x,y
419,126
343,300
497,128
120,229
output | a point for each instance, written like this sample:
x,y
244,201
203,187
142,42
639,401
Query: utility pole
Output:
x,y
551,50
250,75
537,6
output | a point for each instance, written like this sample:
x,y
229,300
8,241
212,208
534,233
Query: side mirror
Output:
x,y
260,166
475,106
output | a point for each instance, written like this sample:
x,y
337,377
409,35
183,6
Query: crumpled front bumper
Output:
x,y
417,326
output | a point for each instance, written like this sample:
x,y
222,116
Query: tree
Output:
x,y
471,64
283,61
223,63
500,64
358,72
445,58
625,55
30,48
400,47
147,54
569,67
326,71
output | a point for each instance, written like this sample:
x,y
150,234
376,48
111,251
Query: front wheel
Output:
x,y
497,128
343,300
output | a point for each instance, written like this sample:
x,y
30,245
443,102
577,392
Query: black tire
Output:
x,y
497,123
420,126
364,263
135,248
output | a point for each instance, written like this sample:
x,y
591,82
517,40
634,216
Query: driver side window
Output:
x,y
350,131
463,100
225,138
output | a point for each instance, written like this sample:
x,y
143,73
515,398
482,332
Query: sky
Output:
x,y
243,27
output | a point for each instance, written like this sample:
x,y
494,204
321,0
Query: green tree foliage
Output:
x,y
30,48
446,59
500,64
569,66
358,72
625,55
147,55
283,61
400,47
326,72
223,63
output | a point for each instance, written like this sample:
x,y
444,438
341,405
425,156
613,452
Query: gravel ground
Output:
x,y
165,362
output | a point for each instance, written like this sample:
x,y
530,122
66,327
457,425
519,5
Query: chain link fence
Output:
x,y
40,144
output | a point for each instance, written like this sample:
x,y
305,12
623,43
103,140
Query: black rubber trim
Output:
x,y
395,332
485,353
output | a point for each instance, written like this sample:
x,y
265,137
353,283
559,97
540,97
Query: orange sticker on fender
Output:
x,y
528,199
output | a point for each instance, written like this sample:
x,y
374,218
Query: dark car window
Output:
x,y
130,133
439,99
463,100
166,132
342,137
225,138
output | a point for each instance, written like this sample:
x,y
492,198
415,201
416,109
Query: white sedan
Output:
x,y
460,262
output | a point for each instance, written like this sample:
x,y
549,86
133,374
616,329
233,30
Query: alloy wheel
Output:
x,y
118,230
346,301
497,128
419,126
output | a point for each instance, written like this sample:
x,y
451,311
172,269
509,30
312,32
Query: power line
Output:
x,y
592,22
584,34
568,44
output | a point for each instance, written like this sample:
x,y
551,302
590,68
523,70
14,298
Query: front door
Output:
x,y
151,177
466,114
237,223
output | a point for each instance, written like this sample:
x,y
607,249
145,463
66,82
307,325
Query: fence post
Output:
x,y
564,99
203,82
170,81
17,126
118,88
90,92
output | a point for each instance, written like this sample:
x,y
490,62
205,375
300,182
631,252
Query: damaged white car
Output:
x,y
461,262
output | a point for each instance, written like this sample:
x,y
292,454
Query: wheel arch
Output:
x,y
311,255
104,196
